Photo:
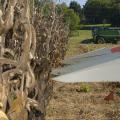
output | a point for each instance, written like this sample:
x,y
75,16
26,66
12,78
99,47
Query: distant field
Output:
x,y
90,26
81,42
77,37
96,25
81,34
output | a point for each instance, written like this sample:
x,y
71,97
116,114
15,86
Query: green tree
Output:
x,y
76,7
96,11
69,16
72,19
115,16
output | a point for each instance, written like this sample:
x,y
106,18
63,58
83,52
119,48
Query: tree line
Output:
x,y
93,12
102,11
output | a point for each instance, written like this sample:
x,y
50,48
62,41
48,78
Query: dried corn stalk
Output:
x,y
31,44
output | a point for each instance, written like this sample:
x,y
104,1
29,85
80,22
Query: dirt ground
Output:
x,y
70,103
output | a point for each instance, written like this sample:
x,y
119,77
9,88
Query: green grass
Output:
x,y
77,37
96,25
90,26
78,33
75,47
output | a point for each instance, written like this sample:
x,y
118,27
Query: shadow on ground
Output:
x,y
87,41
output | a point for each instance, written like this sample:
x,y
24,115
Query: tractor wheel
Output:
x,y
100,40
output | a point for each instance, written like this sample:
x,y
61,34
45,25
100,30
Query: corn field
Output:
x,y
33,41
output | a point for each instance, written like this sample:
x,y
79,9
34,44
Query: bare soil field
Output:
x,y
70,103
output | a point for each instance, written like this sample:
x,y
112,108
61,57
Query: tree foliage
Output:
x,y
96,11
115,15
100,11
76,7
70,17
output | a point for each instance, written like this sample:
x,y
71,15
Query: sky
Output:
x,y
82,2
